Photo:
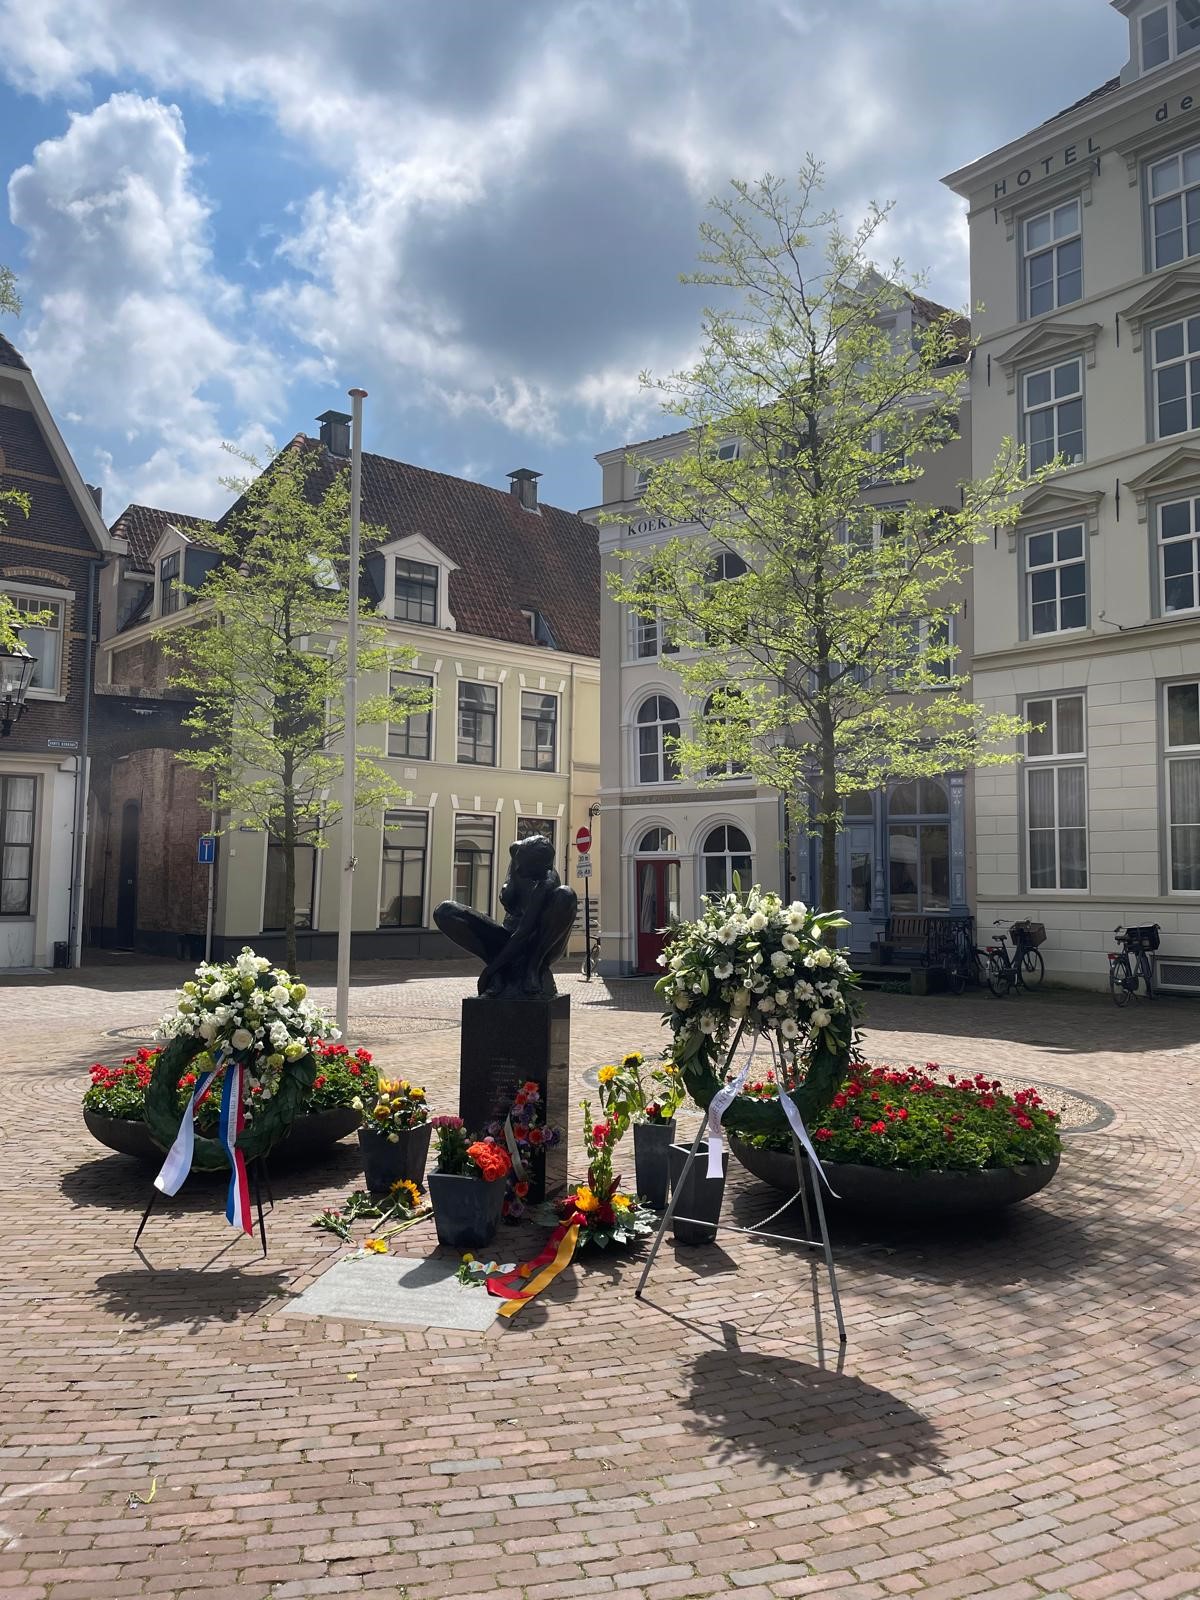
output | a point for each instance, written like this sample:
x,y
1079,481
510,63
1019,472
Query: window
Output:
x,y
1176,368
1177,24
416,592
274,913
18,800
657,842
933,654
531,827
402,885
412,738
641,480
895,462
871,534
1178,524
477,724
726,564
730,768
1056,793
1174,195
43,639
1053,259
474,851
1053,413
919,851
1056,582
169,595
539,732
1182,724
650,637
726,854
657,722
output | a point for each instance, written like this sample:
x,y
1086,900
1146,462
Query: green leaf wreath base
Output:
x,y
702,1060
272,1118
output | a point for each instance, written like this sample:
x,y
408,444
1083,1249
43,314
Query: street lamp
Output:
x,y
16,674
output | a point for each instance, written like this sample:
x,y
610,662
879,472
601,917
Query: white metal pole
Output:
x,y
350,738
212,877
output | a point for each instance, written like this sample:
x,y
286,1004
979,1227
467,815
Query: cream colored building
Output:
x,y
667,842
1085,272
498,596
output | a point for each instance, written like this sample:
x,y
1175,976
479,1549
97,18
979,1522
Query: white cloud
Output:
x,y
136,333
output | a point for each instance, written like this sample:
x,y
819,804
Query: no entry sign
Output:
x,y
583,841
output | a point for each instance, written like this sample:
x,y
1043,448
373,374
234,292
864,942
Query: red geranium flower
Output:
x,y
879,1127
824,1133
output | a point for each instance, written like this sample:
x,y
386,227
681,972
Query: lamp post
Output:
x,y
16,674
350,738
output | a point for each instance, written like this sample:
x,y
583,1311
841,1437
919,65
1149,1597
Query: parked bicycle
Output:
x,y
965,962
591,959
1130,966
1023,968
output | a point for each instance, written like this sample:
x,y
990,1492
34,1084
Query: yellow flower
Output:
x,y
382,1112
407,1188
635,1058
607,1074
620,1202
388,1086
585,1200
379,1246
417,1094
467,1256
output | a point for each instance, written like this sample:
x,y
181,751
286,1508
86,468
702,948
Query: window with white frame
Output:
x,y
1055,580
1175,365
416,592
1173,195
933,652
1181,726
895,458
304,857
1053,252
657,724
412,739
726,854
539,732
41,632
1056,793
477,707
405,859
474,854
721,715
1178,551
1052,413
1167,32
648,637
18,804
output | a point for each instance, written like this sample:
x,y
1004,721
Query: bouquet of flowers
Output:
x,y
531,1136
629,1091
605,1213
461,1156
399,1105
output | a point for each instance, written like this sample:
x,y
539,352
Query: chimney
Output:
x,y
97,495
523,483
335,432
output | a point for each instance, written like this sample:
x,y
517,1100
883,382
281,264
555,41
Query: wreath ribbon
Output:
x,y
718,1106
174,1171
518,1288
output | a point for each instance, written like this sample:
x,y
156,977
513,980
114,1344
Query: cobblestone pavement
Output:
x,y
1017,1416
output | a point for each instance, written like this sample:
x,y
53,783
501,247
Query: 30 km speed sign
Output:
x,y
583,867
583,841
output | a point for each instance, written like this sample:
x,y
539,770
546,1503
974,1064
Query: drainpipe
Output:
x,y
79,840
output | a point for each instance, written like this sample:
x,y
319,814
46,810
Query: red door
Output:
x,y
657,905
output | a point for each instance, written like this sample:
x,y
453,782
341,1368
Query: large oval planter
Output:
x,y
310,1136
885,1192
466,1210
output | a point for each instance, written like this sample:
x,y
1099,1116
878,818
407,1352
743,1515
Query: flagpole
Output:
x,y
350,737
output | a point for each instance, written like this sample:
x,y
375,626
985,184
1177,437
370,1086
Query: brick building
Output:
x,y
49,564
498,595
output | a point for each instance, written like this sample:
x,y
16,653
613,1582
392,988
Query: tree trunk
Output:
x,y
829,830
291,959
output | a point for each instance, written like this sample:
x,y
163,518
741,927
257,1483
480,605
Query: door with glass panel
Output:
x,y
657,906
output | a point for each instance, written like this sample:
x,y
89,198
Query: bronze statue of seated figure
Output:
x,y
519,953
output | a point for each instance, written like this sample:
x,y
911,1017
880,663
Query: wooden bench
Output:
x,y
908,937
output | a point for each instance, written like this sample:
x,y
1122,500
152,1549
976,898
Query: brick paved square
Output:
x,y
1015,1413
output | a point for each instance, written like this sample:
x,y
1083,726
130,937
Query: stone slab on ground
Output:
x,y
397,1291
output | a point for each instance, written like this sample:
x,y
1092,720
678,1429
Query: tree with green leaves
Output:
x,y
11,616
821,648
263,652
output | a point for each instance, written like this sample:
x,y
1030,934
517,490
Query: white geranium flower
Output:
x,y
821,1019
790,942
242,1039
789,1028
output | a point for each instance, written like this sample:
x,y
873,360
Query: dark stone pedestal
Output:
x,y
504,1044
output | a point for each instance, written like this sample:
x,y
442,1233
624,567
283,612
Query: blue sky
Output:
x,y
224,216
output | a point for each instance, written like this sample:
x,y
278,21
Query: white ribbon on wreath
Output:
x,y
724,1098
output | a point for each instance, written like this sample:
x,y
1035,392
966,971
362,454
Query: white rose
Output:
x,y
682,1002
356,1104
208,1028
740,1000
279,995
821,1019
261,964
393,1138
823,957
781,961
789,1029
660,960
242,1039
766,1003
790,942
782,997
757,922
218,991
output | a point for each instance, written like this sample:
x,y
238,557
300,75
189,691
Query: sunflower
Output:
x,y
585,1200
635,1058
408,1191
607,1074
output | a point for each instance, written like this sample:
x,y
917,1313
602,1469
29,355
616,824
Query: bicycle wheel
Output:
x,y
956,976
1033,968
1120,980
999,976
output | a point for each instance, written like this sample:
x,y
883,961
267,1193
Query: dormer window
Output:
x,y
170,596
416,592
1169,31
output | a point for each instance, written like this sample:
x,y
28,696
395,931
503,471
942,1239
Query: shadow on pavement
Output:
x,y
172,1295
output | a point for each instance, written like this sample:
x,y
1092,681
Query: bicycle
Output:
x,y
965,961
1130,966
591,959
1024,967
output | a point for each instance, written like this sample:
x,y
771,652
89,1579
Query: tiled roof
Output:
x,y
1096,94
510,560
142,527
10,356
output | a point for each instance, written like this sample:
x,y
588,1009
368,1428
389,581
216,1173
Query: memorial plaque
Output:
x,y
506,1043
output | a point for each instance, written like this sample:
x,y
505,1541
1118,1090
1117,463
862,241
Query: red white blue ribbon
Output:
x,y
179,1157
233,1118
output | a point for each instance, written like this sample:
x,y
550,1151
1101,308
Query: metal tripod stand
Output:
x,y
256,1171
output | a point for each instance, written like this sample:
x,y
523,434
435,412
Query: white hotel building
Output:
x,y
1085,276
